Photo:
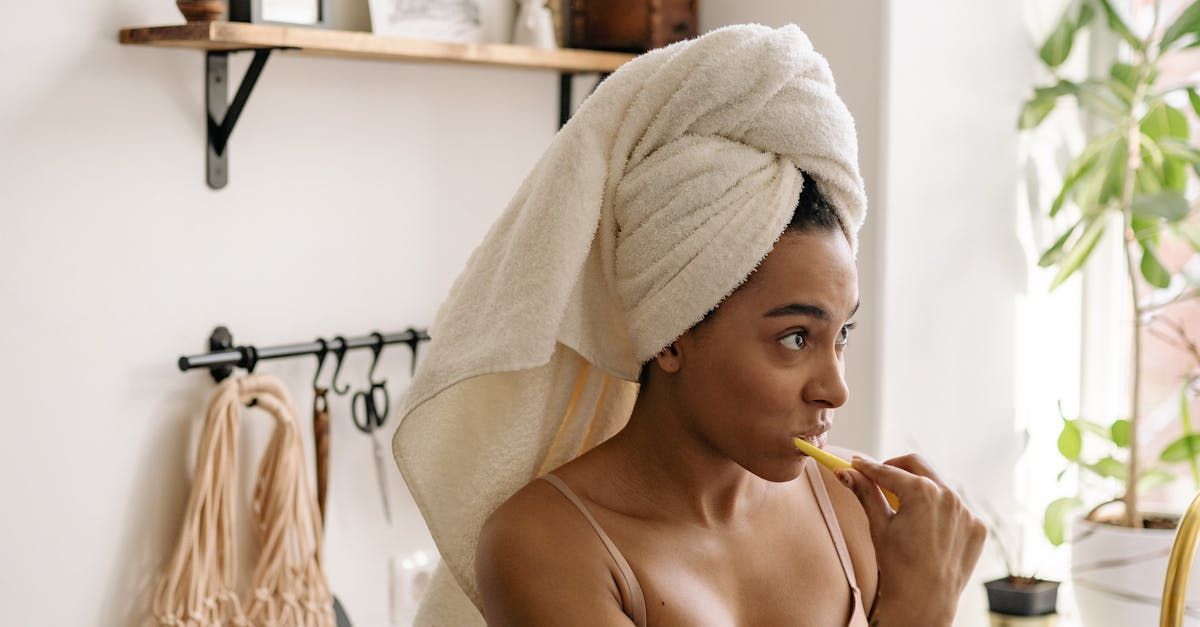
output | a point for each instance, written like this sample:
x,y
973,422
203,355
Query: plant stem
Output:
x,y
1133,518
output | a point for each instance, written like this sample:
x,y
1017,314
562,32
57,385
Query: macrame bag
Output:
x,y
289,586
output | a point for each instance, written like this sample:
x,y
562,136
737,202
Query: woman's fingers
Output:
x,y
903,483
917,465
876,507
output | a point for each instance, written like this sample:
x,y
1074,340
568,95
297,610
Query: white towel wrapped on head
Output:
x,y
659,197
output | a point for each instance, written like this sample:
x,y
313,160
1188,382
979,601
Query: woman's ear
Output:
x,y
668,359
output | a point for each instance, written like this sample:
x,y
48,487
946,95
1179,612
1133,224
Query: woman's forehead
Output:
x,y
813,268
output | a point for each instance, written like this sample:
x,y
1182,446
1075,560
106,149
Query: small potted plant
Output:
x,y
1016,595
1020,595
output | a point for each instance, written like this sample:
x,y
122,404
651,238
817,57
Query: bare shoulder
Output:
x,y
538,562
855,526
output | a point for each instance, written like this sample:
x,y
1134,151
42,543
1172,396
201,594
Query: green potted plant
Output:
x,y
1020,593
1133,176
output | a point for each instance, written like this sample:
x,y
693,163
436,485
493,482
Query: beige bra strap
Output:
x,y
635,604
831,522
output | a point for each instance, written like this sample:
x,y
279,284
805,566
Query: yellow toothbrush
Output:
x,y
835,463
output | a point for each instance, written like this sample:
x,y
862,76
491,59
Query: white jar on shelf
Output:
x,y
535,25
496,20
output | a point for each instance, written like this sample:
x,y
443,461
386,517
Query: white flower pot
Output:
x,y
1117,574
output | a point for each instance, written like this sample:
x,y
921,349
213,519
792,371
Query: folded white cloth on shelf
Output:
x,y
658,198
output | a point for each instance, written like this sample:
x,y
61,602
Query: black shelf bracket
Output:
x,y
222,114
219,107
564,94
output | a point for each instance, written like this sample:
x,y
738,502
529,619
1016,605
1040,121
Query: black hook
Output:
x,y
413,341
320,361
374,417
377,348
340,353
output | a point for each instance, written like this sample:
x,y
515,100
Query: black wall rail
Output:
x,y
223,356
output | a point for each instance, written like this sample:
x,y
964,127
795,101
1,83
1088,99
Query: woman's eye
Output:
x,y
797,343
844,334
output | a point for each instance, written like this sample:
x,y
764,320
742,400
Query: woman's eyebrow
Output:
x,y
805,309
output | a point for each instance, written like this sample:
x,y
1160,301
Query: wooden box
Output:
x,y
629,25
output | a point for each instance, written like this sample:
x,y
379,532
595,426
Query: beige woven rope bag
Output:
x,y
289,585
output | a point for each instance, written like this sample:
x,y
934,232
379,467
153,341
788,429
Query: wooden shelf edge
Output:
x,y
325,42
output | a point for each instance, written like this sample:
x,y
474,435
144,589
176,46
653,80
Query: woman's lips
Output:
x,y
818,441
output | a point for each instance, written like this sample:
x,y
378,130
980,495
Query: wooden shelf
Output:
x,y
219,39
216,36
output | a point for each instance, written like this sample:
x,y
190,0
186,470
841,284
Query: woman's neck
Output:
x,y
675,472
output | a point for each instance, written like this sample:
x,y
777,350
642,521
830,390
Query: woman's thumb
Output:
x,y
871,498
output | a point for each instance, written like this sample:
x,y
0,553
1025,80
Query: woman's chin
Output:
x,y
784,472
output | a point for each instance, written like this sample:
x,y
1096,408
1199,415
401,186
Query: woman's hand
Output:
x,y
926,551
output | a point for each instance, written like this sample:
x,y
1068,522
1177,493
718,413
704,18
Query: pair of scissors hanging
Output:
x,y
376,406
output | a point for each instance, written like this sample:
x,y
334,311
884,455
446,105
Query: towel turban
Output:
x,y
660,196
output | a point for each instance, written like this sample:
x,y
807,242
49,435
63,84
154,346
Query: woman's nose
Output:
x,y
827,385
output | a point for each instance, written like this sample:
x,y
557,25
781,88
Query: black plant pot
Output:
x,y
1021,596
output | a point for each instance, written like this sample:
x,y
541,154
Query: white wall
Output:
x,y
957,73
357,190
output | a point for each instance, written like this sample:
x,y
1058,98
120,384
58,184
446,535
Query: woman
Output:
x,y
706,199
699,491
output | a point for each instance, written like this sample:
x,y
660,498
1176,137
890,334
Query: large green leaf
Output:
x,y
1035,110
1188,23
1124,81
1079,168
1152,269
1164,165
1154,478
1174,173
1121,432
1109,467
1147,180
1043,102
1086,193
1079,252
1162,120
1152,153
1168,205
1146,229
1054,254
1118,25
1182,449
1099,97
1070,441
1182,150
1057,47
1054,522
1114,171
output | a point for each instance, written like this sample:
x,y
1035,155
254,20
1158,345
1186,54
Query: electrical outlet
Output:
x,y
408,579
